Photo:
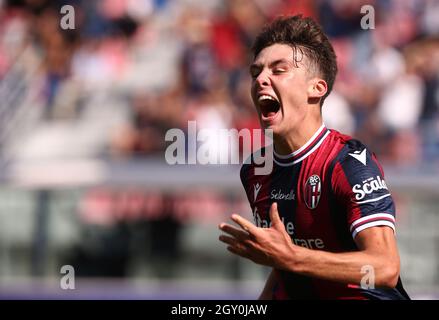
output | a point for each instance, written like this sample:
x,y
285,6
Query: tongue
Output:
x,y
270,114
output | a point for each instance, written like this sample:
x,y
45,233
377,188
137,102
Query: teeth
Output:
x,y
266,97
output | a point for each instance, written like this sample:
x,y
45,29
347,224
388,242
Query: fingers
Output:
x,y
247,243
229,240
245,224
274,215
240,252
233,231
235,246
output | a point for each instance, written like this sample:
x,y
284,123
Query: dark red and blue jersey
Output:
x,y
327,192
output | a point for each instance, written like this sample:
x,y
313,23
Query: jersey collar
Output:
x,y
309,147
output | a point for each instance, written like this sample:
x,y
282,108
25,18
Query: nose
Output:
x,y
262,80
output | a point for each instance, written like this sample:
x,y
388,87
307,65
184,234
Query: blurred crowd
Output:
x,y
167,62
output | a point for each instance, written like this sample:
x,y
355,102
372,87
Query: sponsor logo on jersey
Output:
x,y
256,188
279,195
310,243
263,223
368,186
312,191
359,155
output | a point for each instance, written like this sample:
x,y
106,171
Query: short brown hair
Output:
x,y
305,35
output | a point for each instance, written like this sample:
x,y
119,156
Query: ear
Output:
x,y
317,88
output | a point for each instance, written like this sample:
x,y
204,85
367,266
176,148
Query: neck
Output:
x,y
296,137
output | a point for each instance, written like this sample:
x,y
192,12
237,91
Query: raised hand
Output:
x,y
267,246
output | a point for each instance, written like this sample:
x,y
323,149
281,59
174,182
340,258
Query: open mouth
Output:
x,y
268,105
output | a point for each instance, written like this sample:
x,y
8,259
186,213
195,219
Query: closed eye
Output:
x,y
279,70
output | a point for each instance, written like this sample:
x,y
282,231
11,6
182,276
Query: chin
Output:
x,y
274,128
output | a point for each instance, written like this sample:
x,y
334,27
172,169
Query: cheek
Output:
x,y
294,92
253,95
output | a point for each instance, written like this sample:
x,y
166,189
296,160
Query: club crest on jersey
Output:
x,y
312,191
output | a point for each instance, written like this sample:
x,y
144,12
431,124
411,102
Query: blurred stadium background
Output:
x,y
84,112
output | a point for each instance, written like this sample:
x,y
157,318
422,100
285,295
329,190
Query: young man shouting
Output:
x,y
325,218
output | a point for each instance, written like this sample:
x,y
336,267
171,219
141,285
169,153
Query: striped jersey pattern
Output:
x,y
327,192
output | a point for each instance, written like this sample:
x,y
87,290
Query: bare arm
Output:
x,y
273,247
377,253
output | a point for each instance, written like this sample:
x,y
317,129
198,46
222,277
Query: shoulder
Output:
x,y
357,172
244,173
356,158
352,154
254,160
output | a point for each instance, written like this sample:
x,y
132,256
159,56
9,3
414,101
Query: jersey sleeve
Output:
x,y
360,189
